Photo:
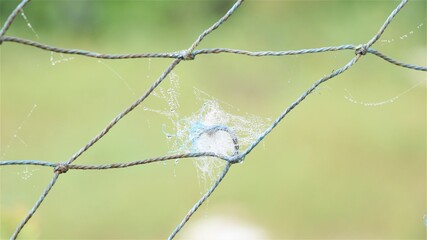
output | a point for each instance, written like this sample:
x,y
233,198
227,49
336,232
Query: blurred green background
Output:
x,y
333,169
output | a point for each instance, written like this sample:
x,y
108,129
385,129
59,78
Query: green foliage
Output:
x,y
332,169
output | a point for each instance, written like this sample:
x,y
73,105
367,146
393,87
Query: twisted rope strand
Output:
x,y
161,78
28,162
89,53
361,50
395,62
117,165
63,167
179,54
36,206
386,23
125,112
12,17
213,27
140,162
298,101
200,202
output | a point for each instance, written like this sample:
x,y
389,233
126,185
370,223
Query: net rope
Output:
x,y
179,56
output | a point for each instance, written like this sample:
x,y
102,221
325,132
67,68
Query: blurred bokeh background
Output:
x,y
349,162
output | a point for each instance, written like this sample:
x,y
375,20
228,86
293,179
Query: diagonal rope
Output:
x,y
201,201
395,62
64,168
125,112
36,206
386,23
360,51
116,165
159,80
298,101
12,17
212,28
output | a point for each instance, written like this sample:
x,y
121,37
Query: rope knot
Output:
x,y
237,159
187,55
61,168
362,49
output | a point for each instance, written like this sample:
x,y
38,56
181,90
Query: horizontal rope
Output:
x,y
182,54
89,53
177,54
28,162
116,165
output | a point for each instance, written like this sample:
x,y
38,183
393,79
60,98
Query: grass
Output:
x,y
332,168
